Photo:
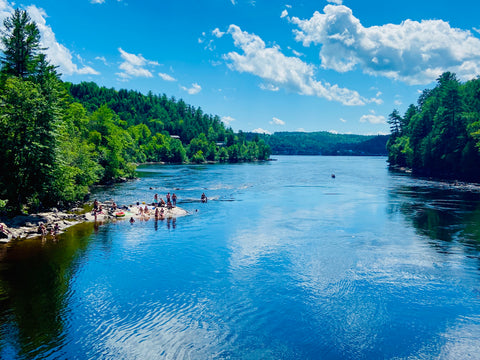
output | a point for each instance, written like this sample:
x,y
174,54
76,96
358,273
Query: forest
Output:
x,y
324,143
440,136
59,139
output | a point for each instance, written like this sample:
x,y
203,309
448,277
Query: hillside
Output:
x,y
324,143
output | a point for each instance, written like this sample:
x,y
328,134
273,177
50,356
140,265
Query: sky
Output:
x,y
265,65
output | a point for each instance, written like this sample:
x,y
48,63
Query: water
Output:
x,y
283,262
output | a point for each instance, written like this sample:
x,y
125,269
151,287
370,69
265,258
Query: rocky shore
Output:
x,y
28,226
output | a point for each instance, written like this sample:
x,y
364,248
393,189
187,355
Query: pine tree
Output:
x,y
21,39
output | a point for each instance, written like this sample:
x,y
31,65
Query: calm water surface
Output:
x,y
283,262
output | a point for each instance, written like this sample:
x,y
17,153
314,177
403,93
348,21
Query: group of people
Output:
x,y
159,206
169,204
42,229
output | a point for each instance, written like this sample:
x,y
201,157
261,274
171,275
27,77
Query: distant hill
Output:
x,y
323,143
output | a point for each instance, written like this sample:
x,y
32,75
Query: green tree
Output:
x,y
21,39
27,125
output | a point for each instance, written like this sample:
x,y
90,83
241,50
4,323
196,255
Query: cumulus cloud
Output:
x,y
277,121
166,77
194,89
227,120
134,65
284,14
261,131
413,52
373,119
288,72
56,53
338,2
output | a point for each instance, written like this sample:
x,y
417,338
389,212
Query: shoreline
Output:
x,y
27,226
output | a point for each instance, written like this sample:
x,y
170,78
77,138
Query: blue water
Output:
x,y
283,262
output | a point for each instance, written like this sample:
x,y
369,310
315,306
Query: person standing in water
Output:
x,y
174,199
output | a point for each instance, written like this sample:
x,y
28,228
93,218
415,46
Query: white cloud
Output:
x,y
134,65
333,131
413,52
233,2
102,59
227,120
343,120
301,130
97,1
397,102
195,89
284,14
166,77
277,121
373,119
338,2
288,72
261,131
296,53
56,53
269,87
218,33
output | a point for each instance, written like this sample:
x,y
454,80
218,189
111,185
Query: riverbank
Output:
x,y
28,226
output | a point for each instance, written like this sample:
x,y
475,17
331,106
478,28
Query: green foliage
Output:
x,y
318,143
439,137
157,123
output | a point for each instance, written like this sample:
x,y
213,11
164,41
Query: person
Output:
x,y
140,211
4,230
174,199
168,197
204,198
155,199
42,229
162,203
114,205
145,211
132,220
56,228
169,204
95,205
157,213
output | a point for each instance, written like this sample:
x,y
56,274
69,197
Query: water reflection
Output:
x,y
34,287
446,216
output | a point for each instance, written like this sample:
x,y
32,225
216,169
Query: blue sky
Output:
x,y
266,66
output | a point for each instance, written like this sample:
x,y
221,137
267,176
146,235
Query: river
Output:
x,y
283,262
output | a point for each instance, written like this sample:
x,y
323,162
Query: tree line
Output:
x,y
59,139
440,136
324,143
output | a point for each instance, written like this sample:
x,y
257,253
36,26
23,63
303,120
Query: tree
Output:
x,y
21,39
395,121
28,144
